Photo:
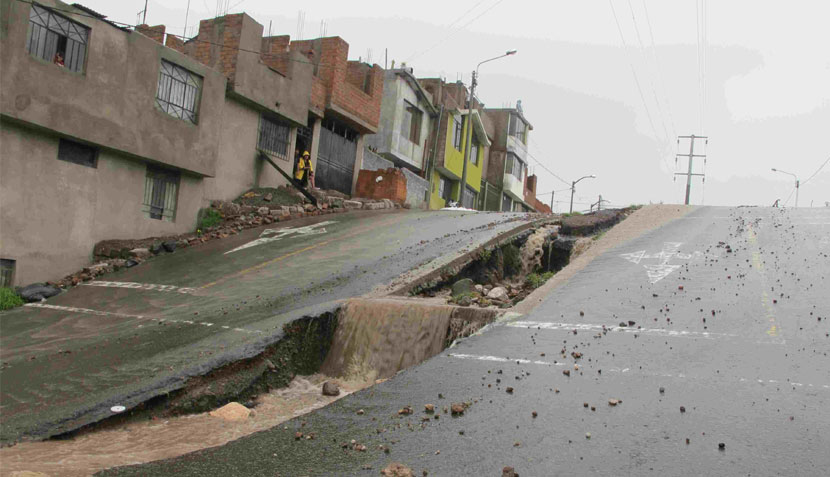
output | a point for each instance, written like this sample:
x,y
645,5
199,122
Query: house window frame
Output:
x,y
65,150
474,148
182,102
50,33
8,266
268,124
458,127
161,184
517,128
515,166
413,117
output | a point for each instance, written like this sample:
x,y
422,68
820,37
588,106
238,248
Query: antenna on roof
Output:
x,y
142,14
300,24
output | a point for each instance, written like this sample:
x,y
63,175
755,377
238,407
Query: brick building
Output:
x,y
504,184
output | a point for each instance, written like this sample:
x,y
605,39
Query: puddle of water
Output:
x,y
138,442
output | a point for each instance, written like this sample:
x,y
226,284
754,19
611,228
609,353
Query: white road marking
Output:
x,y
88,311
661,270
272,235
141,286
625,329
500,359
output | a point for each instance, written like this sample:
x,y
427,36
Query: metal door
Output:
x,y
335,161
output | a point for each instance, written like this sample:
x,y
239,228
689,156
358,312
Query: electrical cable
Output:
x,y
659,70
817,171
645,62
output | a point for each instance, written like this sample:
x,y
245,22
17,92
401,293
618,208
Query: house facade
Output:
x,y
450,131
404,132
505,181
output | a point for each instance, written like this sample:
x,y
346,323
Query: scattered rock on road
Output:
x,y
509,472
397,470
331,389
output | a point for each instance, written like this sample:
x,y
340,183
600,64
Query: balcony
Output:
x,y
517,147
513,187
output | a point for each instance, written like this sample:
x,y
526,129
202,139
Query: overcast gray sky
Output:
x,y
766,75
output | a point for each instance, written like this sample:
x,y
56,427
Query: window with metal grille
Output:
x,y
161,187
57,39
273,137
178,92
7,272
518,128
77,153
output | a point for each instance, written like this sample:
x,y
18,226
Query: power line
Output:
x,y
542,165
447,37
817,171
637,81
645,61
659,70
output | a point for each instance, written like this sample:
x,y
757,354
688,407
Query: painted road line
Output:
x,y
141,286
769,313
500,359
591,327
88,311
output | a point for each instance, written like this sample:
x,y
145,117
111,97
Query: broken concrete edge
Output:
x,y
166,387
430,275
539,295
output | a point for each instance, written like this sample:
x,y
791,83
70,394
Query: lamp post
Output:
x,y
797,182
573,188
469,138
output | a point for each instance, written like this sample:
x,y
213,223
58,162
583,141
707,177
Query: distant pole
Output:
x,y
599,203
551,201
691,155
573,187
797,182
186,15
385,58
144,20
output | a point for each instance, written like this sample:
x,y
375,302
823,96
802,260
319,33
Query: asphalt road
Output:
x,y
140,332
729,345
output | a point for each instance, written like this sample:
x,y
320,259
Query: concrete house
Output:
x,y
448,161
404,134
108,134
507,166
104,133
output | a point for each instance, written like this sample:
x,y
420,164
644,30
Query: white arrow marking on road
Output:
x,y
140,286
272,235
661,270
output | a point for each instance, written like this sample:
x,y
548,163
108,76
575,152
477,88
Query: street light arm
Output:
x,y
785,172
511,52
584,177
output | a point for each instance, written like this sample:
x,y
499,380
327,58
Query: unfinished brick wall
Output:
x,y
155,33
175,43
218,45
274,52
392,185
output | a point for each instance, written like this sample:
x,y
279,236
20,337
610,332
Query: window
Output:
x,y
506,203
273,137
518,128
7,272
474,152
57,39
445,189
470,198
78,153
160,190
178,91
456,132
514,166
411,123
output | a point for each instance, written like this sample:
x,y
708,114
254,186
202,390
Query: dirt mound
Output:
x,y
582,225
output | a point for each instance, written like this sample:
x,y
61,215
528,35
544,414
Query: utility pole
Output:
x,y
691,155
468,141
551,201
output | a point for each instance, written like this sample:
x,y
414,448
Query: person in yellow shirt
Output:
x,y
305,170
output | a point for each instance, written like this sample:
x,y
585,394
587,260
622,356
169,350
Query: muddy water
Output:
x,y
138,442
385,336
531,252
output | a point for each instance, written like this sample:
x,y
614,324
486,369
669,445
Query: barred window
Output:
x,y
57,39
514,166
474,152
470,198
161,187
273,137
178,91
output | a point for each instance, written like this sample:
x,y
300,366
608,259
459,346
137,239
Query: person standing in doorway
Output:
x,y
304,169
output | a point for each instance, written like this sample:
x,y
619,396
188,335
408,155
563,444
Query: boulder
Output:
x,y
232,411
169,246
331,389
352,204
389,203
462,287
263,211
130,263
155,248
38,292
140,252
498,293
229,209
374,205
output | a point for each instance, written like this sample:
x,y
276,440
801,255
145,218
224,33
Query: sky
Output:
x,y
751,75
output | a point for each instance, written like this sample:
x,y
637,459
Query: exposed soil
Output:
x,y
259,197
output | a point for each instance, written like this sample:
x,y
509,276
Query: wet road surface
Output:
x,y
140,332
721,368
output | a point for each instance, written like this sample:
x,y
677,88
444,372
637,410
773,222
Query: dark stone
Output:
x,y
462,287
130,263
169,246
330,389
38,292
155,248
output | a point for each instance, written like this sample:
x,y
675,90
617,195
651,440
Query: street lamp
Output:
x,y
573,188
469,138
797,183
